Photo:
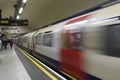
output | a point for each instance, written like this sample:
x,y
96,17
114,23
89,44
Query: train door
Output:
x,y
71,53
33,39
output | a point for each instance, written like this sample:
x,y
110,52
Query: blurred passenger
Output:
x,y
11,43
5,42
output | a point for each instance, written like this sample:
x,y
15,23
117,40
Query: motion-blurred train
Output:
x,y
86,47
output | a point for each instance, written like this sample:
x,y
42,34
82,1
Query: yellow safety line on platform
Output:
x,y
40,67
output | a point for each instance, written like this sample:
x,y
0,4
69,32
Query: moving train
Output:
x,y
86,47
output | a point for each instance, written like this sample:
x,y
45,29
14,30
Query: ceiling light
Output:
x,y
24,1
18,17
20,11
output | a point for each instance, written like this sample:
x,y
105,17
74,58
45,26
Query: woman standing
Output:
x,y
11,43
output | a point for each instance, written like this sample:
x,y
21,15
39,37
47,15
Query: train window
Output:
x,y
25,39
93,38
73,40
19,41
39,39
113,40
47,39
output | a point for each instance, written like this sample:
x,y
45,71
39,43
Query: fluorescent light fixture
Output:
x,y
24,1
18,17
20,11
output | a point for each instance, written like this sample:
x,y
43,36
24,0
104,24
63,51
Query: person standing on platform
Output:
x,y
11,43
5,42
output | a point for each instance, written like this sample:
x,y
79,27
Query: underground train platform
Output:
x,y
17,64
60,39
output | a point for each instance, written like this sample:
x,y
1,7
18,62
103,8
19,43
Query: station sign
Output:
x,y
4,22
14,22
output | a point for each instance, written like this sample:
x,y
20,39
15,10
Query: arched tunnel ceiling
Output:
x,y
7,8
43,12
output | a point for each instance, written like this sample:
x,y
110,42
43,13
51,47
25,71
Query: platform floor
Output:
x,y
34,72
14,65
11,67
